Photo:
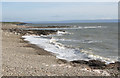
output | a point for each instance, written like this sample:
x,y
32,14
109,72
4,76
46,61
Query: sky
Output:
x,y
59,0
58,11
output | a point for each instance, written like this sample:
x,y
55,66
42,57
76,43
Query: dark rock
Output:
x,y
80,61
36,32
96,64
115,65
61,61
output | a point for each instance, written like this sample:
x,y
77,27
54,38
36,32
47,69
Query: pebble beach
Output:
x,y
20,58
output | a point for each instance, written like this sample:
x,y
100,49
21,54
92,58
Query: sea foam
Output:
x,y
50,44
69,28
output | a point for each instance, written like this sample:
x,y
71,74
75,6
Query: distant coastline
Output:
x,y
65,21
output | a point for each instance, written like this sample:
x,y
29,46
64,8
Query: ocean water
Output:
x,y
85,41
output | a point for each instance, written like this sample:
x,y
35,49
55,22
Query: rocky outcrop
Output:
x,y
31,32
91,63
96,64
115,65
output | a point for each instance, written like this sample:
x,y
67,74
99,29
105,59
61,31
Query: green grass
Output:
x,y
13,22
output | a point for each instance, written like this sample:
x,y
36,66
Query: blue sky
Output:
x,y
58,11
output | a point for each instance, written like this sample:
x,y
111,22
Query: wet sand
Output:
x,y
23,59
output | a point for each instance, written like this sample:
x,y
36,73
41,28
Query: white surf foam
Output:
x,y
62,32
50,44
91,27
69,28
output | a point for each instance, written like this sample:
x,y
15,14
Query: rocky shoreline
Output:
x,y
30,32
90,65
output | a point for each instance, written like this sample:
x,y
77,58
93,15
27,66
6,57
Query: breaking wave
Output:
x,y
50,44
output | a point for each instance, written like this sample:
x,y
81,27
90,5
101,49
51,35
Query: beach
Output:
x,y
20,58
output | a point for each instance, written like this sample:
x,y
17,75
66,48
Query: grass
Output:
x,y
13,22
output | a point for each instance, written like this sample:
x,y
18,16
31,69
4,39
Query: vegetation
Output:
x,y
13,23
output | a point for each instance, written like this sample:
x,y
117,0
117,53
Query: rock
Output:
x,y
80,61
91,63
35,32
61,61
115,65
96,64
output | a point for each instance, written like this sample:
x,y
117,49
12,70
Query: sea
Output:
x,y
79,41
